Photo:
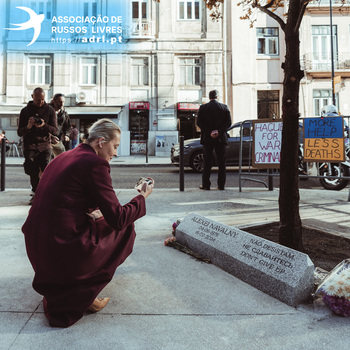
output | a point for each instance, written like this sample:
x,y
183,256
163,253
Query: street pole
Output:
x,y
332,53
182,165
3,164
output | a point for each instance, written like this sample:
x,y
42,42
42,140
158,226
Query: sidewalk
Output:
x,y
133,160
164,299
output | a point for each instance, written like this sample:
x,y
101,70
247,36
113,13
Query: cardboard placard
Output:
x,y
324,139
267,142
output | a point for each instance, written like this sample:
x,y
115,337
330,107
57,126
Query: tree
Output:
x,y
290,230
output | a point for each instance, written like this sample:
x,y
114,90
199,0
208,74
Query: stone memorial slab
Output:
x,y
281,272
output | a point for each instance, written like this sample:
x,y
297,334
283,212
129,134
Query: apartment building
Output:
x,y
257,76
146,65
257,55
316,87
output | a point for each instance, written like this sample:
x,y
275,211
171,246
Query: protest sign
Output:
x,y
324,139
267,142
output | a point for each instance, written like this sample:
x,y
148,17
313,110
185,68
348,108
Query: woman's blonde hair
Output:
x,y
102,128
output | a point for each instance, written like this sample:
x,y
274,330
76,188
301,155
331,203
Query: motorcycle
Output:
x,y
331,174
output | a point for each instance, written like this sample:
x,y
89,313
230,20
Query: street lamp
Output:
x,y
332,54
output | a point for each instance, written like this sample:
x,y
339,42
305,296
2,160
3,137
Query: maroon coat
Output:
x,y
72,262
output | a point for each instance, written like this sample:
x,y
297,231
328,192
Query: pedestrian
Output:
x,y
77,233
2,136
214,118
36,122
73,135
60,143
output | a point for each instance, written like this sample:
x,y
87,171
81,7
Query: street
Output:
x,y
164,177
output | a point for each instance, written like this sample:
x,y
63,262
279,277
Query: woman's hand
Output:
x,y
146,188
96,214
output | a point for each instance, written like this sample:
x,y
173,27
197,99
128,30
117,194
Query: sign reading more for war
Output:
x,y
281,272
267,141
324,139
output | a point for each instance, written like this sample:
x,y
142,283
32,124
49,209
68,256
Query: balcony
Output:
x,y
141,30
326,2
320,6
319,65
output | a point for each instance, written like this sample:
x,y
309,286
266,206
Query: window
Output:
x,y
141,25
139,68
42,7
190,71
39,70
88,71
246,132
14,121
323,97
321,46
139,10
188,9
90,9
268,104
267,41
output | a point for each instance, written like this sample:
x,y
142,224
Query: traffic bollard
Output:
x,y
3,163
182,165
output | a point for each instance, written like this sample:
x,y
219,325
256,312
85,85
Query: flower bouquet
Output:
x,y
335,289
172,242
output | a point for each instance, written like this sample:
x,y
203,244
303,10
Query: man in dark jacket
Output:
x,y
61,142
36,122
214,118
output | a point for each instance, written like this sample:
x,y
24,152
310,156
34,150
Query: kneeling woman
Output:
x,y
74,257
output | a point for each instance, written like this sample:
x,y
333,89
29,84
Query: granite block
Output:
x,y
281,272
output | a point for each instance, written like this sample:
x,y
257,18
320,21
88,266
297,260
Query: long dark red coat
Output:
x,y
72,263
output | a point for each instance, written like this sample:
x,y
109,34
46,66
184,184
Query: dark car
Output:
x,y
193,150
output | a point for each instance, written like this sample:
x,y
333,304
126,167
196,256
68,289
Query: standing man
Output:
x,y
36,122
214,118
61,142
73,135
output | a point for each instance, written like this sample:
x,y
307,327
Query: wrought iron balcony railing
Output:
x,y
326,2
321,61
141,29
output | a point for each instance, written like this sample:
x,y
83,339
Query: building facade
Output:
x,y
317,88
257,76
146,65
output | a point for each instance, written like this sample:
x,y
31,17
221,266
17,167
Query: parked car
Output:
x,y
193,156
193,150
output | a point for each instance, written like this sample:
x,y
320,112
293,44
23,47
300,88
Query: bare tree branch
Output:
x,y
269,4
301,14
270,13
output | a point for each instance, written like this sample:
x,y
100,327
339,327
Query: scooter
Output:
x,y
331,174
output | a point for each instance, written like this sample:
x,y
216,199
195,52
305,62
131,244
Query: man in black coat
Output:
x,y
214,118
36,122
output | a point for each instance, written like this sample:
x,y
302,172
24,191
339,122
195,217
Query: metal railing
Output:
x,y
2,164
322,61
270,173
141,29
316,3
243,175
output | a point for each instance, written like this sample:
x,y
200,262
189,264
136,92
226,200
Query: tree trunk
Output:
x,y
290,230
